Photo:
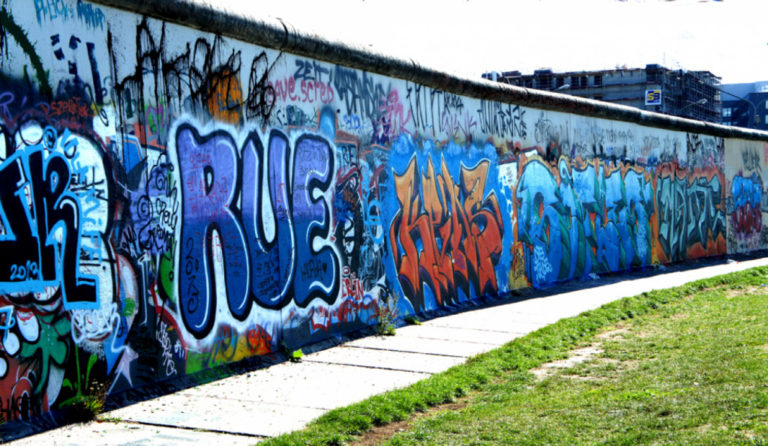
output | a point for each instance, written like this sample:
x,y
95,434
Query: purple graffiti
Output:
x,y
268,257
208,170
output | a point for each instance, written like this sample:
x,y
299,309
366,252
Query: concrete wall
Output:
x,y
173,200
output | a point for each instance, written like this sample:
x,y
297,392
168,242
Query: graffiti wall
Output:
x,y
172,200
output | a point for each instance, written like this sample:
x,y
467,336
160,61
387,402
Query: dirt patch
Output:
x,y
585,354
380,433
735,292
575,357
612,334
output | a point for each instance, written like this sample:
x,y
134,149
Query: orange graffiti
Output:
x,y
259,341
226,98
452,239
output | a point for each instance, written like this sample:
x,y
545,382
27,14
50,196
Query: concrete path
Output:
x,y
246,408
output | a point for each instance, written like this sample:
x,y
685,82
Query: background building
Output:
x,y
691,94
745,105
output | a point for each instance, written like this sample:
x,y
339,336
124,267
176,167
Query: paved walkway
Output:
x,y
246,408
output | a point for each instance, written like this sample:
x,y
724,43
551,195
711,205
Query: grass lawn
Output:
x,y
688,365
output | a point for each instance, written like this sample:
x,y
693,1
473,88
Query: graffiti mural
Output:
x,y
691,214
173,201
745,170
746,218
446,237
583,219
268,270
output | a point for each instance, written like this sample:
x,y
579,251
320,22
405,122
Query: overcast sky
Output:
x,y
469,37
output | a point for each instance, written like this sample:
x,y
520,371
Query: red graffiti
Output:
x,y
451,240
747,219
69,109
73,113
305,91
351,286
17,402
349,310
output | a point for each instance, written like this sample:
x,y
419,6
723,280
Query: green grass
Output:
x,y
693,369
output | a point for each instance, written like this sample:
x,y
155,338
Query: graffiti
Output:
x,y
94,325
546,133
303,91
747,196
49,191
437,112
458,126
705,151
322,319
420,106
582,219
348,217
751,160
230,345
16,113
294,117
360,93
391,121
311,70
446,235
55,274
70,51
156,209
352,122
7,322
690,214
226,96
34,355
504,120
169,365
260,102
195,74
262,252
51,10
92,16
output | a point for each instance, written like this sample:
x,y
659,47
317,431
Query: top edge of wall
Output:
x,y
213,16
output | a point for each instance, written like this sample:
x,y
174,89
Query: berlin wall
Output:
x,y
184,193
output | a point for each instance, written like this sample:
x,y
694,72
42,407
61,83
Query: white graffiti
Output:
x,y
165,342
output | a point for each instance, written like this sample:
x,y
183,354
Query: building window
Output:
x,y
598,80
727,112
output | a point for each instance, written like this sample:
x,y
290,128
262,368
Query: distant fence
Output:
x,y
183,188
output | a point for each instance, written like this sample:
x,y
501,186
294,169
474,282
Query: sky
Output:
x,y
469,37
